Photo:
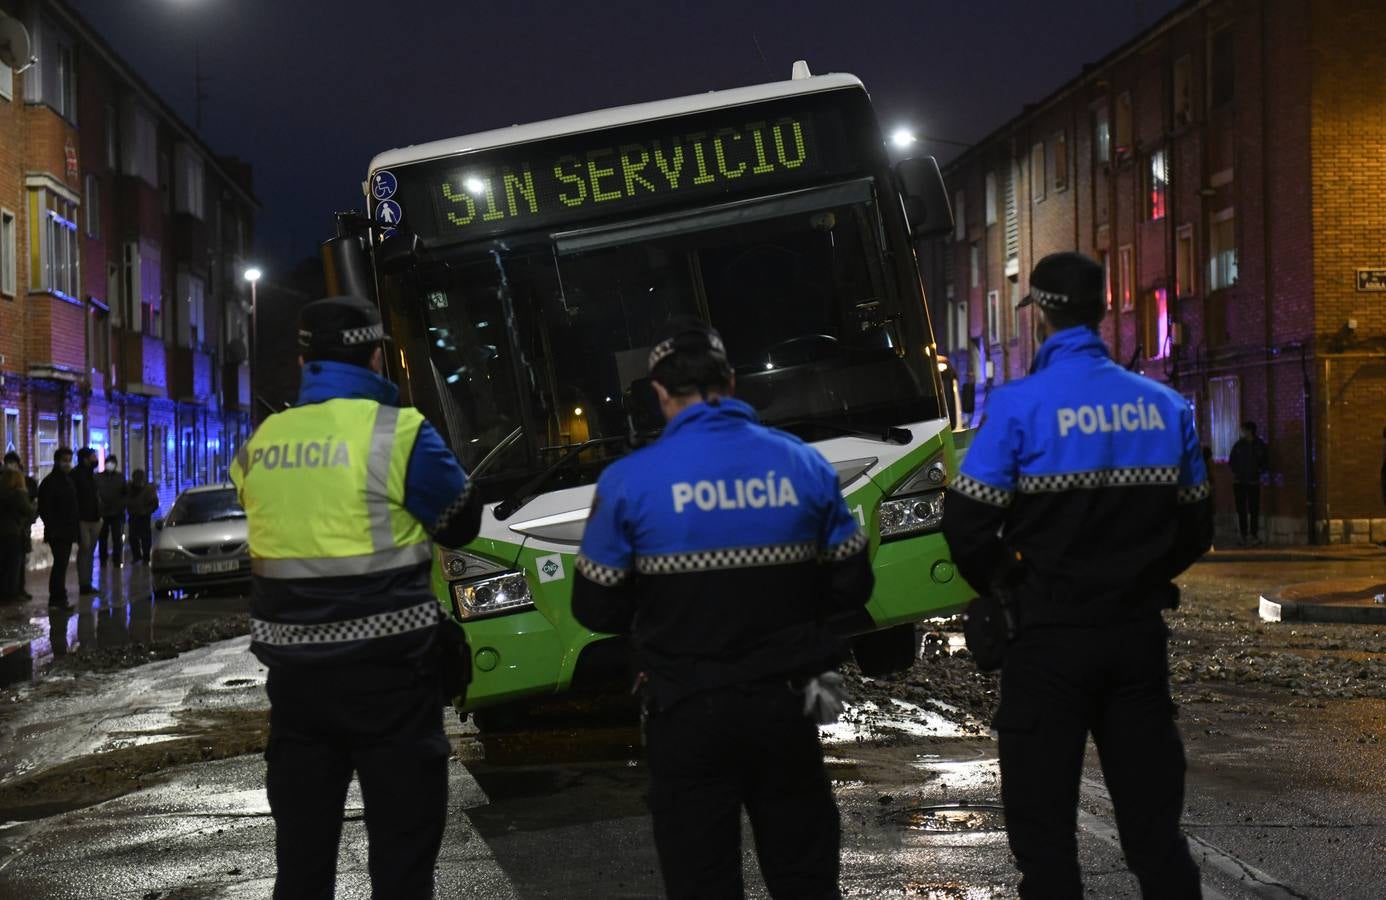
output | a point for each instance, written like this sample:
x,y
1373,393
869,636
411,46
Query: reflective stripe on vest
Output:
x,y
323,487
387,624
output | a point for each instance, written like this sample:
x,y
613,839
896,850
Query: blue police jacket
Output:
x,y
1093,476
722,548
437,493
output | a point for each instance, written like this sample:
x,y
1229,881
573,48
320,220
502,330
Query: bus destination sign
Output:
x,y
623,172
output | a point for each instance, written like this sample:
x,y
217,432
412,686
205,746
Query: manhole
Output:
x,y
951,818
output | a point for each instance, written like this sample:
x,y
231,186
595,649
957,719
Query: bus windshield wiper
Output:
x,y
889,434
526,492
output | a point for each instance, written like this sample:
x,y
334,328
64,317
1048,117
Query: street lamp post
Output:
x,y
252,275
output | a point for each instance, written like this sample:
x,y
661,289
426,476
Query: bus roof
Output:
x,y
607,118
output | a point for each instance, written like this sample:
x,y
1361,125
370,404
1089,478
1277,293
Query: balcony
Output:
x,y
190,375
142,364
235,384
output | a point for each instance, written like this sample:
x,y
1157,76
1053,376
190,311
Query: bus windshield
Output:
x,y
528,349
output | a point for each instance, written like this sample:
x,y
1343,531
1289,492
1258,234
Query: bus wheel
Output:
x,y
886,652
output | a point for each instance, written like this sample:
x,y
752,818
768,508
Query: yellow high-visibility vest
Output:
x,y
323,491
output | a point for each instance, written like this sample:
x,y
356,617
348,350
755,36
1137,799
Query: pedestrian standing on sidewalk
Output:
x,y
16,515
1248,463
89,517
113,492
343,612
61,523
726,604
12,461
144,500
1076,530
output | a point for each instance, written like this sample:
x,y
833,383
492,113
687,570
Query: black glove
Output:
x,y
455,658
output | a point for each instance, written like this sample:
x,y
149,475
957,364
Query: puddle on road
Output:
x,y
120,627
867,722
950,818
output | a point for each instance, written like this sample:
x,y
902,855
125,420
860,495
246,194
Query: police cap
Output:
x,y
1068,283
691,335
339,323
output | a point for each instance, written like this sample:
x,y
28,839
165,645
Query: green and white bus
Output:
x,y
523,271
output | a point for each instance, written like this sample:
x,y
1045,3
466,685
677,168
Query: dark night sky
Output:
x,y
310,90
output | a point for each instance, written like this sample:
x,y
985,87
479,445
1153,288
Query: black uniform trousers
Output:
x,y
717,751
57,575
385,723
1058,684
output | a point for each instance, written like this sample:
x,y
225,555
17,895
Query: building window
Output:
x,y
1013,310
192,325
188,182
99,340
1105,257
189,473
92,202
1221,69
1128,301
959,217
962,329
139,144
136,455
1060,176
1037,172
1183,91
1123,126
1185,284
141,292
990,197
45,444
6,82
78,432
1157,196
1224,414
54,81
112,139
1102,134
11,434
1155,324
53,245
1222,250
974,262
9,254
993,317
1012,212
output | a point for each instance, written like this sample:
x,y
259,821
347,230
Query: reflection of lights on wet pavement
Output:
x,y
867,720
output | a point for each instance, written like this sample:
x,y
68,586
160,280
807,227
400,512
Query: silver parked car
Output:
x,y
203,542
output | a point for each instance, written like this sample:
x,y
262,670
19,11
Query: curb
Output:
x,y
1325,554
1318,601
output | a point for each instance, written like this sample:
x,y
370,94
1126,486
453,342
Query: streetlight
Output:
x,y
252,275
902,137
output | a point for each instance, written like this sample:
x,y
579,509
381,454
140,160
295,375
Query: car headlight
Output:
x,y
493,594
454,563
915,506
166,556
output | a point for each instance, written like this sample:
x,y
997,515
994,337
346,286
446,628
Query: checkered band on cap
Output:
x,y
847,549
380,625
595,572
981,491
1049,299
1195,493
363,335
1099,478
729,558
664,349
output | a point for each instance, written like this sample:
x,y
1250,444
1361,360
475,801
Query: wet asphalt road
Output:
x,y
146,783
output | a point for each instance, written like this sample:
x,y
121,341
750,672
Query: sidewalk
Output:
x,y
1225,550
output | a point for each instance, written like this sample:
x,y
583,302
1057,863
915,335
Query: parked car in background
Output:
x,y
203,543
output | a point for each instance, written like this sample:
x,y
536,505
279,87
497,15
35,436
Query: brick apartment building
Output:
x,y
122,314
1227,167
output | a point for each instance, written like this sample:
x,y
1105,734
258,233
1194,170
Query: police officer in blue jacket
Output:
x,y
1083,495
721,549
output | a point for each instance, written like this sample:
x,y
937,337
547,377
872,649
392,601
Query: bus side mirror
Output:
x,y
968,393
926,199
642,406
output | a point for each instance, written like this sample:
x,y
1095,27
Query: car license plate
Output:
x,y
212,568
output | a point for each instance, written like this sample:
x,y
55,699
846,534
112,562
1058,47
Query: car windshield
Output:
x,y
200,507
536,349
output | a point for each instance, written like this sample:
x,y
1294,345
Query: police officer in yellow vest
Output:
x,y
343,493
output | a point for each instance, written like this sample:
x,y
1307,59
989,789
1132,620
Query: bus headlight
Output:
x,y
494,594
915,506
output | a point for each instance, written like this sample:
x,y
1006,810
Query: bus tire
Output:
x,y
886,652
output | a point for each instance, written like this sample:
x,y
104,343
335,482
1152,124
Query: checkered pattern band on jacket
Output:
x,y
981,491
380,625
731,558
452,509
595,572
847,549
1195,493
1098,478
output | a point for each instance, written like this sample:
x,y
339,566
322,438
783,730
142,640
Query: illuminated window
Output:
x,y
1102,134
1037,173
990,197
1224,414
11,435
1060,176
45,444
993,317
975,263
1222,250
1128,300
53,244
1158,180
9,257
1155,324
1123,126
1185,282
